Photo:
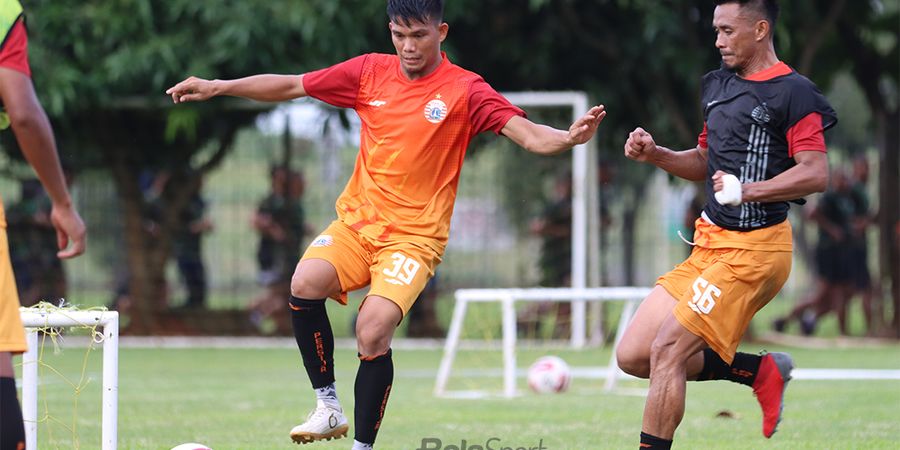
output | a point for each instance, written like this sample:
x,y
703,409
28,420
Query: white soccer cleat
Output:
x,y
322,424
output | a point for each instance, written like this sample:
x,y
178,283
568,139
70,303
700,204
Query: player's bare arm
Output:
x,y
809,176
545,140
263,88
688,164
35,136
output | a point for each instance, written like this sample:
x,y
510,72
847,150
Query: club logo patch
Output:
x,y
436,111
323,240
761,115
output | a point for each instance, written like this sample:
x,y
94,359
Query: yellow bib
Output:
x,y
10,11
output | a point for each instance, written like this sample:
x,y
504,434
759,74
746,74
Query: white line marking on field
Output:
x,y
603,372
175,342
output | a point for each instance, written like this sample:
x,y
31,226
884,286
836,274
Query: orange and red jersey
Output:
x,y
413,140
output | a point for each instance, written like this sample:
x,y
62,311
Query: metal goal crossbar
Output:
x,y
507,299
36,319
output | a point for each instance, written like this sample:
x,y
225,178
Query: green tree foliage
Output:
x,y
101,67
644,58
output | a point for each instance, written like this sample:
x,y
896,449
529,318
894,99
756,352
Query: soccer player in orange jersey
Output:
x,y
22,111
762,147
418,111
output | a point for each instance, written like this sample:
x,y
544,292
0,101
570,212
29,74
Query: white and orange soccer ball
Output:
x,y
548,375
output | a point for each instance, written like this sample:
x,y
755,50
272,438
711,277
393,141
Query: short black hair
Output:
x,y
406,11
766,8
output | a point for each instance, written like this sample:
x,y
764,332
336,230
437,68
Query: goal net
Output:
x,y
55,376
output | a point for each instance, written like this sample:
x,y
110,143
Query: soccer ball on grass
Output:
x,y
549,374
191,446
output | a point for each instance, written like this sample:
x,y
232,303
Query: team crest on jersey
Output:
x,y
760,114
323,240
436,111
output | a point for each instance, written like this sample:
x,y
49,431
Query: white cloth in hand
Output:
x,y
731,192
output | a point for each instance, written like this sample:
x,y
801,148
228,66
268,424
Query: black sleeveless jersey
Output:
x,y
747,124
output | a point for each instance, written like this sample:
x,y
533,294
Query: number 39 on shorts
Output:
x,y
705,295
403,270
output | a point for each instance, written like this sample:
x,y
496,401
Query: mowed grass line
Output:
x,y
250,398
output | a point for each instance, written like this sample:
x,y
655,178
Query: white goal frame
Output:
x,y
585,202
34,320
507,299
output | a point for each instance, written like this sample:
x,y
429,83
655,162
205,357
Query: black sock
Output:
x,y
654,443
372,389
12,429
312,330
742,369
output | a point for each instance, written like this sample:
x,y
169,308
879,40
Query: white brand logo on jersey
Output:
x,y
436,111
377,103
323,240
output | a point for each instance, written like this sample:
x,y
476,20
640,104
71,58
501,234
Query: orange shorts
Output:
x,y
396,270
12,334
719,290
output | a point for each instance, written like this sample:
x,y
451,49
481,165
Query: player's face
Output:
x,y
418,46
736,36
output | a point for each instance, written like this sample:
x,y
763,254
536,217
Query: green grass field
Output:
x,y
250,399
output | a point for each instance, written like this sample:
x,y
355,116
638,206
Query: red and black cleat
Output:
x,y
771,382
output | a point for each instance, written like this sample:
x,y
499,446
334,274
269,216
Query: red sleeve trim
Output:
x,y
488,110
807,135
337,85
702,141
14,53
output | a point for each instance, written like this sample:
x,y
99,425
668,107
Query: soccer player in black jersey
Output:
x,y
762,146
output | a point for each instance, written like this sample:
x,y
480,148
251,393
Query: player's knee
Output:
x,y
370,343
315,278
372,338
303,286
632,363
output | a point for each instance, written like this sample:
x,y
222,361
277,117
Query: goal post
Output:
x,y
35,319
507,299
585,203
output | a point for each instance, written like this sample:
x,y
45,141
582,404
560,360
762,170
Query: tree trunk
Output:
x,y
889,210
148,243
142,280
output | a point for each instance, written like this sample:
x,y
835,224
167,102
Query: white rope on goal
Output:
x,y
507,299
37,318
